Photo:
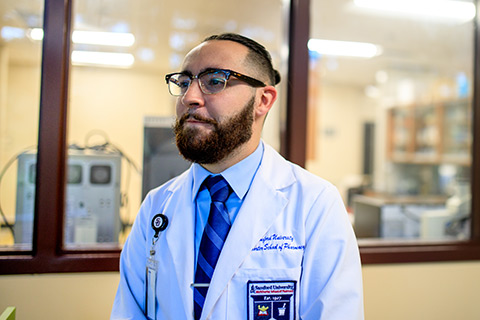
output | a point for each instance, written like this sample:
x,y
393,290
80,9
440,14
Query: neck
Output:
x,y
233,158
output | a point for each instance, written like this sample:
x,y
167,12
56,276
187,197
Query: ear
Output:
x,y
267,98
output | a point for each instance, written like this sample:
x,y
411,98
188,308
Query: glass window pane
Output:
x,y
391,110
120,112
21,23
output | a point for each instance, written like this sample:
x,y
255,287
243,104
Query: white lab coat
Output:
x,y
284,200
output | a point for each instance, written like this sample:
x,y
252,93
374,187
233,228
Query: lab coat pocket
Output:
x,y
237,290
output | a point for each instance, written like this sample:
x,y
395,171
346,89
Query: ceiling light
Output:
x,y
93,37
36,34
344,48
107,59
10,33
103,38
445,9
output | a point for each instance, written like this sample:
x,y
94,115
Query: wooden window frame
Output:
x,y
295,145
48,256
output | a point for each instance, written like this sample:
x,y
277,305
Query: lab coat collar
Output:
x,y
264,202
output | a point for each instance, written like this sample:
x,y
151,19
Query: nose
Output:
x,y
193,97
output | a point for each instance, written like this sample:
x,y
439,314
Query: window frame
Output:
x,y
48,256
294,148
377,252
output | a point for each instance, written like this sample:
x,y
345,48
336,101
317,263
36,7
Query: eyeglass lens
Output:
x,y
210,82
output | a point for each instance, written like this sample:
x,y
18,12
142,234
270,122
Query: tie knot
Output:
x,y
218,187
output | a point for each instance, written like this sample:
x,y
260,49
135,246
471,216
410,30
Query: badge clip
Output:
x,y
159,223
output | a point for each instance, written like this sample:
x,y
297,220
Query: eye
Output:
x,y
183,84
214,81
217,81
182,81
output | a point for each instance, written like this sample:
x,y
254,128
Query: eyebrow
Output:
x,y
188,72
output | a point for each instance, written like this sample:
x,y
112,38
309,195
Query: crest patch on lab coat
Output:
x,y
271,300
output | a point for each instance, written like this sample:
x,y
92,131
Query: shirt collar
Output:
x,y
238,176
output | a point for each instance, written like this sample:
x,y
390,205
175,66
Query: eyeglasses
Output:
x,y
211,81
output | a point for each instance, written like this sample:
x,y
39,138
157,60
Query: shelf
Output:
x,y
437,133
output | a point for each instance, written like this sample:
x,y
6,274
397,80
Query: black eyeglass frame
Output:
x,y
249,80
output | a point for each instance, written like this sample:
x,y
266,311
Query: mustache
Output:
x,y
194,116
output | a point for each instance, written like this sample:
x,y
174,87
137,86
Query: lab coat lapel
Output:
x,y
180,238
261,206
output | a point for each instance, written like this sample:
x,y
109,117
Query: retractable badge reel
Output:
x,y
159,223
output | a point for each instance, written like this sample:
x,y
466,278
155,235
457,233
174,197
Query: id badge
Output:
x,y
150,305
271,300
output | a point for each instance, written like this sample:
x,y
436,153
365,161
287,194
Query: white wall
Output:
x,y
340,113
436,291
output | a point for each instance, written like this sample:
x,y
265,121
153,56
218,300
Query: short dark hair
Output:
x,y
258,54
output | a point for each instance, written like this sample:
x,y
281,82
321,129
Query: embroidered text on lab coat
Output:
x,y
277,242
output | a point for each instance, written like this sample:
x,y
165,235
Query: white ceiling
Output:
x,y
410,44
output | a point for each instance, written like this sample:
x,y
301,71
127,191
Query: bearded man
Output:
x,y
243,233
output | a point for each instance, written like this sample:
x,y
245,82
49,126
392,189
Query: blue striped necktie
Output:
x,y
212,241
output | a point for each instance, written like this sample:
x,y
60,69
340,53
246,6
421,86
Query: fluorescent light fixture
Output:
x,y
107,59
93,37
344,48
10,33
444,9
103,38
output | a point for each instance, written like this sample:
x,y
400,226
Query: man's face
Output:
x,y
224,138
210,127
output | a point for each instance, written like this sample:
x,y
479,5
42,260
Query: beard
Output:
x,y
225,137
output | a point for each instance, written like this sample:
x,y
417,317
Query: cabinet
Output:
x,y
431,133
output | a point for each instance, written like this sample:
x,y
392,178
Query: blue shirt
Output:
x,y
239,177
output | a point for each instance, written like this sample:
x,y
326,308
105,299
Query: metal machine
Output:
x,y
92,198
